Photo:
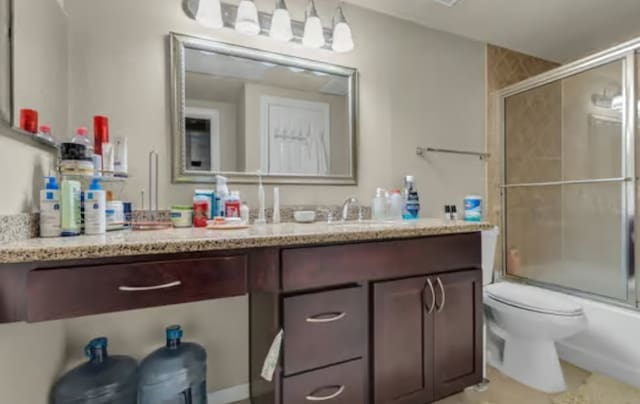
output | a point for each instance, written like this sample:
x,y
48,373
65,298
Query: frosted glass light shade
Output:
x,y
342,38
209,14
313,33
281,25
247,19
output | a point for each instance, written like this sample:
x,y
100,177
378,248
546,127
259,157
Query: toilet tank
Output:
x,y
489,244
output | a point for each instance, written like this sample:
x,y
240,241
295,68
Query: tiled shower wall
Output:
x,y
506,67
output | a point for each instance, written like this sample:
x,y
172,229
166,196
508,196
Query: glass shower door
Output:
x,y
566,181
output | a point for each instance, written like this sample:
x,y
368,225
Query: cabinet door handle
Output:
x,y
321,318
433,296
312,397
147,288
444,295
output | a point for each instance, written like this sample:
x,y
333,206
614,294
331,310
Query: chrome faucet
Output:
x,y
347,205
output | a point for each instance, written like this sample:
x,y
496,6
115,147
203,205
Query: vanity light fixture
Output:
x,y
281,23
209,13
342,36
247,18
313,32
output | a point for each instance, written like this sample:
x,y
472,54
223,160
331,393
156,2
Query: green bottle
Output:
x,y
70,207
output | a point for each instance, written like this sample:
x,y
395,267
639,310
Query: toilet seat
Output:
x,y
533,299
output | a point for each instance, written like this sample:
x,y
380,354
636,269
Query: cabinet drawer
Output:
x,y
311,267
78,291
342,384
323,328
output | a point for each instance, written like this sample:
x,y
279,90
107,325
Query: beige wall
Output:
x,y
23,167
418,87
41,63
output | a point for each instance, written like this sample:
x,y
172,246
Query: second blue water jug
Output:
x,y
175,373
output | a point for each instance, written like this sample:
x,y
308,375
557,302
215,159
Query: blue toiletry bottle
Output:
x,y
411,209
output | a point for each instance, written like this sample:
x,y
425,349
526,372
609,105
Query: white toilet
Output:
x,y
523,322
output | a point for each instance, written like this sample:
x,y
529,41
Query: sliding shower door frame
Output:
x,y
626,53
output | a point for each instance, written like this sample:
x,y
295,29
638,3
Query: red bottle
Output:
x,y
200,213
100,133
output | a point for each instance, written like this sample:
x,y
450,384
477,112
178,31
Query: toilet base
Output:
x,y
532,362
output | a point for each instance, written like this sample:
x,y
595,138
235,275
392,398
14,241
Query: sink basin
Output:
x,y
367,224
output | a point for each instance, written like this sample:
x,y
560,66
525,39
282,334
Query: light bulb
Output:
x,y
209,14
247,19
342,35
281,23
313,31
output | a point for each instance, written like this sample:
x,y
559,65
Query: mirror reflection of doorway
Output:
x,y
202,126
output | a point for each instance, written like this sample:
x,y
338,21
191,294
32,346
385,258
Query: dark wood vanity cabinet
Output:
x,y
386,322
427,337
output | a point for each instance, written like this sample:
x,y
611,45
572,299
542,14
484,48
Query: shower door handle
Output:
x,y
444,295
433,296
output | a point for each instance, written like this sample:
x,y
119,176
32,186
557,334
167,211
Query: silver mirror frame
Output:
x,y
178,43
7,119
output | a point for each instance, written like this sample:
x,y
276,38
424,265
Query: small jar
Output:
x,y
182,215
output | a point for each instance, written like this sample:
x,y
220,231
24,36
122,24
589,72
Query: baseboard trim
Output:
x,y
229,395
594,362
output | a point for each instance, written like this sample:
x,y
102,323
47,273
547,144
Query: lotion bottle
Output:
x,y
50,209
95,219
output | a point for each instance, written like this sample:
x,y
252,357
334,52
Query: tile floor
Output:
x,y
503,390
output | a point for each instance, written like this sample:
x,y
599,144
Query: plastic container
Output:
x,y
395,205
379,205
232,205
210,196
103,379
95,216
45,133
115,215
200,211
174,374
182,215
81,138
121,157
473,208
50,209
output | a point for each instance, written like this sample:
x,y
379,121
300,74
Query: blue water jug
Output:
x,y
174,374
103,379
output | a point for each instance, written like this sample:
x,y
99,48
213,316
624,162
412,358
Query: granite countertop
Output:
x,y
128,243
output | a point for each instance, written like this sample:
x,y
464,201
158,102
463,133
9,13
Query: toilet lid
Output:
x,y
533,299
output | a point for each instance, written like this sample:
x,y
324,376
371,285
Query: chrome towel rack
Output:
x,y
422,152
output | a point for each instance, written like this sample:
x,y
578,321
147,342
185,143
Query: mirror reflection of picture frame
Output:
x,y
202,140
295,136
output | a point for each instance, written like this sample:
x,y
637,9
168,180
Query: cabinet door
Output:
x,y
458,332
402,342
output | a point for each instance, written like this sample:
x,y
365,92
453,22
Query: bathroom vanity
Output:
x,y
370,314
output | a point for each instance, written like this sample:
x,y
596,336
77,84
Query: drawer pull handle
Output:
x,y
444,295
322,319
311,397
147,288
433,296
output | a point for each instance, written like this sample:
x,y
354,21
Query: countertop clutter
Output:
x,y
192,239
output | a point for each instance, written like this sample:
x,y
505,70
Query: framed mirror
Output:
x,y
238,111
